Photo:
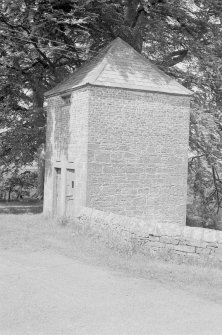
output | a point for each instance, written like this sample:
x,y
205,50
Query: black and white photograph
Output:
x,y
110,167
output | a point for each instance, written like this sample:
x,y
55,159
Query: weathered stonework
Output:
x,y
124,136
201,245
67,141
137,154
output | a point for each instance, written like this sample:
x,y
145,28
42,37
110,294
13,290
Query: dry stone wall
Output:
x,y
185,241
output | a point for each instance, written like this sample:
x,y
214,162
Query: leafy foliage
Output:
x,y
18,185
42,41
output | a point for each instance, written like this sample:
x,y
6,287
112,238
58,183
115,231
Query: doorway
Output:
x,y
57,193
70,187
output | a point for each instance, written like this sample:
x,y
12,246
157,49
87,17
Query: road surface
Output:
x,y
44,293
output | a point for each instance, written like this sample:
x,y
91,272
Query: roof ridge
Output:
x,y
102,53
104,60
118,64
147,60
100,70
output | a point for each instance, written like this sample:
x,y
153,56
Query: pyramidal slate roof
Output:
x,y
120,65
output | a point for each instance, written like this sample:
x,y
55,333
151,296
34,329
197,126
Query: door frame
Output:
x,y
67,171
55,185
63,166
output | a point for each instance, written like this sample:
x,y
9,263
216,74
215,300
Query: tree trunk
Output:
x,y
134,17
41,172
38,101
9,194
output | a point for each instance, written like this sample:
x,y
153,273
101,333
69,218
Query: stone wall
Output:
x,y
137,154
184,241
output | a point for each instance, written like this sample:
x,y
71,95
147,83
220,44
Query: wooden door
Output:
x,y
57,192
70,186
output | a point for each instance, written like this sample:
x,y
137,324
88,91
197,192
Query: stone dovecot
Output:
x,y
117,139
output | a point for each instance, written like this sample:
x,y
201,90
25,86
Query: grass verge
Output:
x,y
32,233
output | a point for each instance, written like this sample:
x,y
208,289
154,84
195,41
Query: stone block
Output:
x,y
116,157
218,250
210,235
91,155
95,168
102,158
203,251
108,169
194,243
156,244
169,229
184,248
219,236
212,245
169,240
154,238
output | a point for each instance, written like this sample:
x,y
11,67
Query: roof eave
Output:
x,y
62,92
188,94
70,90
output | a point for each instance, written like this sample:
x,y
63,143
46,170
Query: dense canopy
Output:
x,y
41,41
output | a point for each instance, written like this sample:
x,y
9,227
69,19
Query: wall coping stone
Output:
x,y
144,228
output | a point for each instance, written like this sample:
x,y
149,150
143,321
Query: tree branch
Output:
x,y
131,11
215,179
175,57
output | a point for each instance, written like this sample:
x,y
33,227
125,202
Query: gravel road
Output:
x,y
45,293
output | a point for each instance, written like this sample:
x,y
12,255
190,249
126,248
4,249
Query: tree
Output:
x,y
42,41
38,42
18,185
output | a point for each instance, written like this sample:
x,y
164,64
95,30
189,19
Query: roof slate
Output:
x,y
119,65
